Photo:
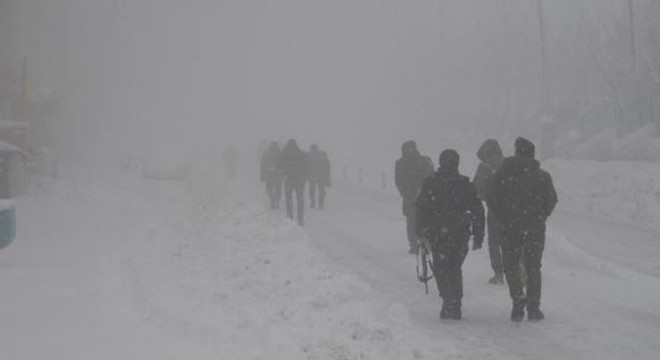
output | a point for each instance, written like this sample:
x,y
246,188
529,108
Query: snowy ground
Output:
x,y
625,192
133,269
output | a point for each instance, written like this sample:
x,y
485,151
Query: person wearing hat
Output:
x,y
448,213
294,166
522,197
272,175
409,174
490,157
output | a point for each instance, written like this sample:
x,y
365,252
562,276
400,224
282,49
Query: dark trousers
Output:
x,y
494,243
411,223
274,190
313,187
410,212
448,258
528,244
297,186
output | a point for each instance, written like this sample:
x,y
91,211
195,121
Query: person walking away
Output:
x,y
522,197
295,168
409,174
271,174
490,157
319,176
448,213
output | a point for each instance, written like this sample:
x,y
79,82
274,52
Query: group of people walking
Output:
x,y
444,209
293,168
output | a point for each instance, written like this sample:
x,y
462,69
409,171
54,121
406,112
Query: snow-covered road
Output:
x,y
58,299
132,269
595,308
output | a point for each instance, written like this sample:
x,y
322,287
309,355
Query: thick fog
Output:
x,y
137,78
133,224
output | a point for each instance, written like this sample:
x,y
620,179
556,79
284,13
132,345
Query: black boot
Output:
x,y
446,312
518,311
456,313
534,314
451,311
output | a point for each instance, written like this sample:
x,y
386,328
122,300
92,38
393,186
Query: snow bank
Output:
x,y
642,144
621,191
635,145
251,286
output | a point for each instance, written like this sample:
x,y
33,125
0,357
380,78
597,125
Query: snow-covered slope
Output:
x,y
627,192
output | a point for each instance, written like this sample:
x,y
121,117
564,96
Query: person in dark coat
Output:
x,y
319,175
448,213
409,174
522,197
271,174
490,156
295,168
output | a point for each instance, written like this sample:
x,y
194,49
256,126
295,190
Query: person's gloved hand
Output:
x,y
477,243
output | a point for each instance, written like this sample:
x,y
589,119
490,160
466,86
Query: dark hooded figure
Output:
x,y
490,156
409,174
522,197
448,213
272,175
295,168
319,175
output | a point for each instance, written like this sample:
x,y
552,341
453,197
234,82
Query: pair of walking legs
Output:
x,y
494,248
448,258
496,232
297,187
314,188
274,190
528,245
410,212
411,221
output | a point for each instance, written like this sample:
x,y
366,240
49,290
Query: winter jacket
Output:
x,y
410,172
490,155
319,167
520,194
294,163
448,205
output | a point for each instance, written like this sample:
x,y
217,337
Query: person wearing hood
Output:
x,y
522,197
448,213
271,174
319,176
409,174
490,157
295,168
